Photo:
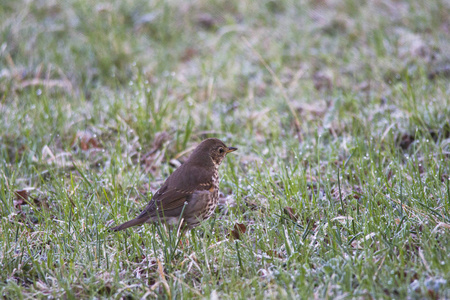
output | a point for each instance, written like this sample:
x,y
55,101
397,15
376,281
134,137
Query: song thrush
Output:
x,y
190,192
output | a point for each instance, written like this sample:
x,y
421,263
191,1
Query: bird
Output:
x,y
191,193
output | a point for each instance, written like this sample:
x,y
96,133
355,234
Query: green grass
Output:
x,y
340,111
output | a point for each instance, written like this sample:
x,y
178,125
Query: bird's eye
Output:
x,y
221,150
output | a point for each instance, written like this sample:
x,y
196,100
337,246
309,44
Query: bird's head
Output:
x,y
211,151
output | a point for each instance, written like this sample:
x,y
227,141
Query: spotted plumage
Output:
x,y
191,191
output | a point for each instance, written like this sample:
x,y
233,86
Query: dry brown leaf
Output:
x,y
389,175
21,194
21,198
440,71
238,230
354,192
153,158
406,140
290,212
274,253
318,108
253,205
40,202
188,54
87,140
207,21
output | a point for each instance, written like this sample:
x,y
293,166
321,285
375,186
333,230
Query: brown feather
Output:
x,y
130,223
177,189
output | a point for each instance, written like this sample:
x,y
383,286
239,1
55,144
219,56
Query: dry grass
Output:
x,y
340,110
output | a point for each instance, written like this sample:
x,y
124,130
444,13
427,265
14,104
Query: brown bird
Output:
x,y
191,192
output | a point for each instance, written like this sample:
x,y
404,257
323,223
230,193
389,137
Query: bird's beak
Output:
x,y
231,149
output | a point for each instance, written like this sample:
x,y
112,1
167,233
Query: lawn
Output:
x,y
340,188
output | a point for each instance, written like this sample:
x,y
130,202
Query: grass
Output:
x,y
340,111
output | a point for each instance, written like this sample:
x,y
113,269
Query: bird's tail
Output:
x,y
134,222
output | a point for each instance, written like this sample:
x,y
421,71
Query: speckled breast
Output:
x,y
212,204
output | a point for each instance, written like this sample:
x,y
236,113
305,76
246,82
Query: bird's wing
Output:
x,y
178,189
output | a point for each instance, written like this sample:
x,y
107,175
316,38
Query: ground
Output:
x,y
340,110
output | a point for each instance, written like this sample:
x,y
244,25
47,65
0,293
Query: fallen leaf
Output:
x,y
290,212
21,198
346,192
274,253
406,140
160,139
40,202
389,175
207,21
238,230
153,158
440,71
253,205
188,54
21,194
87,140
317,109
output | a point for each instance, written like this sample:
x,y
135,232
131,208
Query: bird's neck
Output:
x,y
203,162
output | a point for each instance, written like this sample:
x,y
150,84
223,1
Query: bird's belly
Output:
x,y
201,206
